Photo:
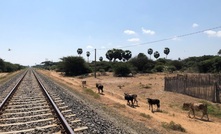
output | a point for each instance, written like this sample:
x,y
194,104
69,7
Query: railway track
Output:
x,y
28,108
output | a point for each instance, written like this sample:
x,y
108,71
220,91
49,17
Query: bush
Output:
x,y
173,126
158,68
73,66
121,70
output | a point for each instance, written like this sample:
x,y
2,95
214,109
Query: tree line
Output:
x,y
122,63
9,67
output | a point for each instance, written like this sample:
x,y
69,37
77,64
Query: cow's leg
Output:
x,y
189,113
151,108
132,101
128,102
202,116
136,101
193,113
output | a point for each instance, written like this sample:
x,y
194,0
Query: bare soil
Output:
x,y
145,85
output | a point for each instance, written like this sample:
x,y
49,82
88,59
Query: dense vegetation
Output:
x,y
122,63
9,67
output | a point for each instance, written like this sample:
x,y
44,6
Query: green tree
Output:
x,y
73,66
109,55
121,69
118,54
141,63
2,65
127,55
219,52
100,58
156,54
114,54
88,55
80,51
150,52
166,51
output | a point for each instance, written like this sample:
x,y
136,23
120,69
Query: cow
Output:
x,y
152,102
83,83
100,87
193,107
131,98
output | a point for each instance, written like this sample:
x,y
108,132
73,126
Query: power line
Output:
x,y
170,38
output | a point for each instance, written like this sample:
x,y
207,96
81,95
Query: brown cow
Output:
x,y
196,107
83,83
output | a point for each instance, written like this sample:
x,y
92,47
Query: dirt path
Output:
x,y
170,102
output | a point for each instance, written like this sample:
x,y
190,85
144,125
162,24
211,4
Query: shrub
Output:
x,y
173,126
145,115
92,93
121,70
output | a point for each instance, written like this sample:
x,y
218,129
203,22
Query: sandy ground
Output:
x,y
148,85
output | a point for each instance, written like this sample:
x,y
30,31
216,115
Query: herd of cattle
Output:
x,y
132,100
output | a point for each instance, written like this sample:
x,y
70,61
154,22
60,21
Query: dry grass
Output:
x,y
145,85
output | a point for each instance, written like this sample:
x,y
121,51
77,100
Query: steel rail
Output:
x,y
11,92
65,124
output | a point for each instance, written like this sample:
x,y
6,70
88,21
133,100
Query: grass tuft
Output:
x,y
214,110
118,105
92,93
145,115
173,126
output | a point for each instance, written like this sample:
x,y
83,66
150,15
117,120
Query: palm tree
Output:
x,y
219,52
79,51
150,52
156,54
109,55
166,51
126,55
88,54
101,59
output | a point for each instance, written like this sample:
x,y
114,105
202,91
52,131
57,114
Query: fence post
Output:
x,y
217,90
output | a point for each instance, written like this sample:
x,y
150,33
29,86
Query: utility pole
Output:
x,y
95,63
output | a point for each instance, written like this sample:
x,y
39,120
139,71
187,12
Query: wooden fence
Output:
x,y
204,86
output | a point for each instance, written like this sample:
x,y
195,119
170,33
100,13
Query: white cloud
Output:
x,y
103,47
89,47
212,33
133,40
194,25
129,32
147,31
175,38
219,33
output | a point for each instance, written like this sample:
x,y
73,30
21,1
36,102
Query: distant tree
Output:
x,y
126,55
140,63
118,54
88,55
100,58
121,69
150,52
73,66
2,65
79,51
110,55
219,52
156,54
114,54
166,51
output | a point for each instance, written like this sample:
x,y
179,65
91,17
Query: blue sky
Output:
x,y
39,30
